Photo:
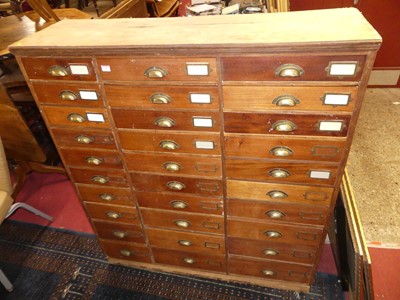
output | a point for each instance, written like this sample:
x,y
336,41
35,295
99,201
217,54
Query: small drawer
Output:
x,y
284,193
194,143
69,94
119,232
105,195
113,213
91,158
99,177
273,231
304,67
166,120
207,166
271,270
87,138
184,203
157,183
79,69
291,148
185,241
273,250
126,251
215,263
278,212
183,221
162,97
158,69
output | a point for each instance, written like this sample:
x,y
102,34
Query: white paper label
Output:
x,y
88,95
95,117
197,69
105,68
336,99
79,69
200,98
343,69
202,122
330,125
320,174
208,145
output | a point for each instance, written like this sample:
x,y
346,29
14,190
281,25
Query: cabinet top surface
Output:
x,y
342,25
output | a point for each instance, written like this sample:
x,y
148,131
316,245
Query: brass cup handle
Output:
x,y
99,179
94,160
58,71
279,173
113,215
277,194
185,243
284,126
169,145
76,118
164,122
281,151
68,96
176,185
155,72
120,234
286,100
179,204
126,252
268,272
182,223
83,139
273,234
275,214
289,70
106,197
189,260
270,252
171,166
160,98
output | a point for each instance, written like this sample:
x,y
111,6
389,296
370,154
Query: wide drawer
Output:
x,y
126,251
293,148
270,269
162,96
166,120
119,232
105,177
92,158
87,138
188,242
209,166
69,94
183,221
279,212
181,202
272,250
158,69
113,213
304,98
286,193
214,263
106,194
302,67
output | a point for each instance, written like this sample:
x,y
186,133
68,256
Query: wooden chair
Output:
x,y
162,8
127,9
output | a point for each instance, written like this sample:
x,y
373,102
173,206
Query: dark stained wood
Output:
x,y
126,251
88,176
119,232
66,137
93,193
113,213
93,158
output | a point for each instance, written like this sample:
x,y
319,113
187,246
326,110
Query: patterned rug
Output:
x,y
46,263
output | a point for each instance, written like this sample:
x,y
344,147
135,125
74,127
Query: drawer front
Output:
x,y
188,242
113,213
293,148
281,171
166,120
158,69
175,164
270,269
87,138
304,67
273,231
162,97
155,183
79,69
190,260
100,177
119,232
204,143
69,94
278,212
105,195
272,250
180,202
93,158
78,117
305,98
126,251
284,193
288,124
183,221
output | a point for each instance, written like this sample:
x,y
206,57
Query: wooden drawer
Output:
x,y
162,96
186,203
126,251
270,269
79,69
119,232
78,117
93,158
105,195
87,138
190,260
279,212
113,213
99,177
196,143
315,98
167,69
293,148
281,171
287,124
272,231
272,250
183,221
314,67
156,183
68,93
167,120
285,193
209,166
185,241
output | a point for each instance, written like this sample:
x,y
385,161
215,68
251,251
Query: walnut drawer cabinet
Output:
x,y
211,146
